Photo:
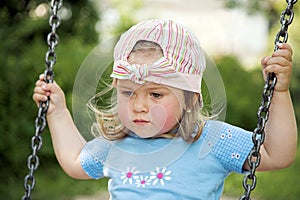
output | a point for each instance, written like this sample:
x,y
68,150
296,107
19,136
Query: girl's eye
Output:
x,y
127,93
156,95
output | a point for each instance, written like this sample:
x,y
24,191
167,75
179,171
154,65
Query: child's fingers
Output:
x,y
287,55
279,61
39,94
285,46
278,66
42,77
38,98
42,90
264,61
284,51
39,83
275,68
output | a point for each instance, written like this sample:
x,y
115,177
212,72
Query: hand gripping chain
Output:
x,y
40,121
249,182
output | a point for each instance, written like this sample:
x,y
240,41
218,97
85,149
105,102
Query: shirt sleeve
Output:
x,y
93,156
231,145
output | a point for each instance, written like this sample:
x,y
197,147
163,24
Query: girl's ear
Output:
x,y
114,83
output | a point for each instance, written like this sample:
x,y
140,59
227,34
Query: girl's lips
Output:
x,y
140,122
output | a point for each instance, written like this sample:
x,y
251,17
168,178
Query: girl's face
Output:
x,y
149,109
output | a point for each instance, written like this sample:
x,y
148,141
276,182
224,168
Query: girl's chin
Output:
x,y
144,134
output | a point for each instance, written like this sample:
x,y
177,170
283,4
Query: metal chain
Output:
x,y
40,121
250,180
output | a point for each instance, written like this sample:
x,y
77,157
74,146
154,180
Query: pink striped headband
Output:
x,y
181,66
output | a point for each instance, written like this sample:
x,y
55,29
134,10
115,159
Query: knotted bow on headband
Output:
x,y
137,72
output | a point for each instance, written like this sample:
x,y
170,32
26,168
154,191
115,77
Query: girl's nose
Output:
x,y
139,103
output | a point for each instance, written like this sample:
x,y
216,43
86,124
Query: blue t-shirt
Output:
x,y
169,168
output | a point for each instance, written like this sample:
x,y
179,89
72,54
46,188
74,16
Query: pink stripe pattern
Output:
x,y
182,55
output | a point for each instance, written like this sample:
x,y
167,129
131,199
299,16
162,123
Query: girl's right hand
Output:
x,y
44,90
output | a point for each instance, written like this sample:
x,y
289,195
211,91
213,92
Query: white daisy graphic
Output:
x,y
142,181
129,175
160,176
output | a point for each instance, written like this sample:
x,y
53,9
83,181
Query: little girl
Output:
x,y
154,142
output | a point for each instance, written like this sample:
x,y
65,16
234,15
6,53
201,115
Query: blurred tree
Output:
x,y
126,20
24,28
243,95
272,10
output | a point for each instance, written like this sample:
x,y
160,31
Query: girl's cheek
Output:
x,y
123,111
159,117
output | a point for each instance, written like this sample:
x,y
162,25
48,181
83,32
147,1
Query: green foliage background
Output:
x,y
22,52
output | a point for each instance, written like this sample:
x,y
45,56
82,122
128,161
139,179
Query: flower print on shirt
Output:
x,y
129,175
160,176
142,181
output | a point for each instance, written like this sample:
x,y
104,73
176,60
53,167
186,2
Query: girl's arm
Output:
x,y
66,139
279,148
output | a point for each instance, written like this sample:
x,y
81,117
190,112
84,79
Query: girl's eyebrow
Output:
x,y
124,87
158,89
148,88
128,87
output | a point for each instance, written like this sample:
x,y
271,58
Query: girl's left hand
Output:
x,y
281,64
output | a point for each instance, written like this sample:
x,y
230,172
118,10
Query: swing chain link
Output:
x,y
40,121
258,137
